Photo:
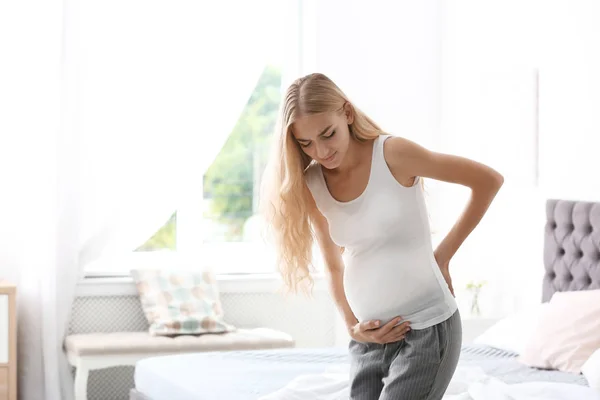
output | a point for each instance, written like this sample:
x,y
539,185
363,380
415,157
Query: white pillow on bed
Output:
x,y
513,332
591,370
567,334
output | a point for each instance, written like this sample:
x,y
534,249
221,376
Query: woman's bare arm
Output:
x,y
334,264
407,159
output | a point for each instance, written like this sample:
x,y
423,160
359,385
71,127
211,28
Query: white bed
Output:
x,y
249,375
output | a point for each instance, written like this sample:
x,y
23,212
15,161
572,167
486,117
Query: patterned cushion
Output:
x,y
180,302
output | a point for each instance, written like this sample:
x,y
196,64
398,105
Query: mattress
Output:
x,y
245,375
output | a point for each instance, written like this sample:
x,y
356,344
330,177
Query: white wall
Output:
x,y
386,57
570,100
491,54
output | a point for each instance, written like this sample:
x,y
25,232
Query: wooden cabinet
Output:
x,y
4,383
8,342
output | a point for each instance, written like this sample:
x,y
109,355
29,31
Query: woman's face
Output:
x,y
324,137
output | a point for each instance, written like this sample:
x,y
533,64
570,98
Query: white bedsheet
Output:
x,y
245,375
151,380
468,383
250,375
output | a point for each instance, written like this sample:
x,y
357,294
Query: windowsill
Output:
x,y
111,276
224,258
104,286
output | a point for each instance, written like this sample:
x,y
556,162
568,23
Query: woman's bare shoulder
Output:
x,y
401,146
399,153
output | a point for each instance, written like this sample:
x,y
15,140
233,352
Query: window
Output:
x,y
232,240
232,233
164,238
231,183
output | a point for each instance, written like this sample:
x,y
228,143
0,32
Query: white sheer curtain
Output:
x,y
110,111
30,90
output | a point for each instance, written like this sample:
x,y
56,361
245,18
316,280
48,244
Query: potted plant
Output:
x,y
474,287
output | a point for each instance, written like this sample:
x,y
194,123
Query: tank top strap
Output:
x,y
317,187
380,168
379,142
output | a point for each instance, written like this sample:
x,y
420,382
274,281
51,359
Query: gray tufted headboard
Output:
x,y
571,247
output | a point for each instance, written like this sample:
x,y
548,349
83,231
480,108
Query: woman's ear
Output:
x,y
349,112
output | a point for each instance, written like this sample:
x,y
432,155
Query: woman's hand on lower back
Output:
x,y
372,332
444,265
446,274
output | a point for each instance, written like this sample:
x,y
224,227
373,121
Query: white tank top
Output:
x,y
390,268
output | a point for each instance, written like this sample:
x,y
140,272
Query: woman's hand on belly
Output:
x,y
371,332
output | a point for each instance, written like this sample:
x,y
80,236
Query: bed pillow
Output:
x,y
180,302
591,370
567,334
512,332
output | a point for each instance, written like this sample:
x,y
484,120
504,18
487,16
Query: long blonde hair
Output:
x,y
284,200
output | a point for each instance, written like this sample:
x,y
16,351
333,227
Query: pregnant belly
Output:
x,y
386,290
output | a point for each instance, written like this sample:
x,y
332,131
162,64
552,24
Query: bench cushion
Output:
x,y
144,343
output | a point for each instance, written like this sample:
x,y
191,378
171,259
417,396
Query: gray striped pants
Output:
x,y
419,367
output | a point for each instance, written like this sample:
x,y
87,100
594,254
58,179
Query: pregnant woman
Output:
x,y
338,179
